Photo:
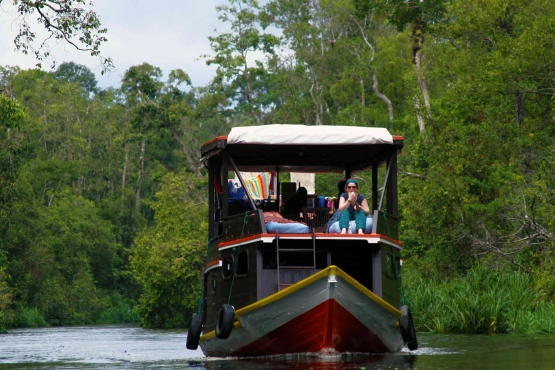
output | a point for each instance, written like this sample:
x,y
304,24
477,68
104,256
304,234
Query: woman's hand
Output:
x,y
364,206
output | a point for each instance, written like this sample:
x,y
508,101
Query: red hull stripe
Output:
x,y
328,325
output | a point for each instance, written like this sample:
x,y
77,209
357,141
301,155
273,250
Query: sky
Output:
x,y
168,34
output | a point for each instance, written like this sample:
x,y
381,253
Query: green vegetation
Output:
x,y
120,312
484,302
169,257
29,318
102,198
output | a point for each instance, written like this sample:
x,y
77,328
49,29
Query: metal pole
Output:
x,y
277,267
251,201
384,185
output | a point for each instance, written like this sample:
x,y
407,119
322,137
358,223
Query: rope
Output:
x,y
386,224
201,298
237,258
397,270
398,274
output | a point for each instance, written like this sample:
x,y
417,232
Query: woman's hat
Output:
x,y
351,181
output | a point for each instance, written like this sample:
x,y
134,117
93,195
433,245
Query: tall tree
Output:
x,y
237,73
485,163
158,107
310,30
71,159
420,16
169,255
78,73
331,75
11,118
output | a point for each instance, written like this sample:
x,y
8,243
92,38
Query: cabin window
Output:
x,y
243,263
212,284
397,267
227,266
389,267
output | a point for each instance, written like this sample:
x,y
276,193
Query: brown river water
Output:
x,y
129,347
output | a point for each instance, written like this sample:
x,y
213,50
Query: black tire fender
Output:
x,y
408,332
226,317
193,334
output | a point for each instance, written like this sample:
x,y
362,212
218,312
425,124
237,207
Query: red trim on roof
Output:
x,y
214,140
395,137
210,264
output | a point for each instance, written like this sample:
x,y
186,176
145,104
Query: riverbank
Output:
x,y
30,317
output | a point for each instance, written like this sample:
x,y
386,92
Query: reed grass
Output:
x,y
482,302
29,317
119,313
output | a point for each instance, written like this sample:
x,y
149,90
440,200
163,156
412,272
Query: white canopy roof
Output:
x,y
308,135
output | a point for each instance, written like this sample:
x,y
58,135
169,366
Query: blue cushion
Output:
x,y
289,228
334,227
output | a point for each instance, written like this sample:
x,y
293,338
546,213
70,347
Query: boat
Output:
x,y
279,290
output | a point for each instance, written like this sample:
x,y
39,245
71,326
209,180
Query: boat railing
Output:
x,y
316,218
244,225
386,224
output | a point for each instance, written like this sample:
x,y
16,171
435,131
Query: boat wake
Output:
x,y
429,351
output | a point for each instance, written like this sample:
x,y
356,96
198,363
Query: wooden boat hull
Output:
x,y
328,311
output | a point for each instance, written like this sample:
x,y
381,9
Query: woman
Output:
x,y
353,206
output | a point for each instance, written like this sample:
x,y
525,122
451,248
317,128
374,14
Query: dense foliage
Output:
x,y
169,257
80,173
101,197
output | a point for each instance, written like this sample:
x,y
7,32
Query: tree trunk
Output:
x,y
249,87
520,108
374,78
363,97
382,96
419,117
192,164
124,179
141,175
317,105
417,41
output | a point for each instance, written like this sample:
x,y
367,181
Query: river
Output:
x,y
129,347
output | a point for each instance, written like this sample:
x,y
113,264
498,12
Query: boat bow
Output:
x,y
328,310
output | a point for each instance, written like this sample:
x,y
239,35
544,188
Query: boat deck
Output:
x,y
270,238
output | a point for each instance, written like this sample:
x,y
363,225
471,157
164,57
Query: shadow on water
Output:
x,y
381,362
315,362
128,347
